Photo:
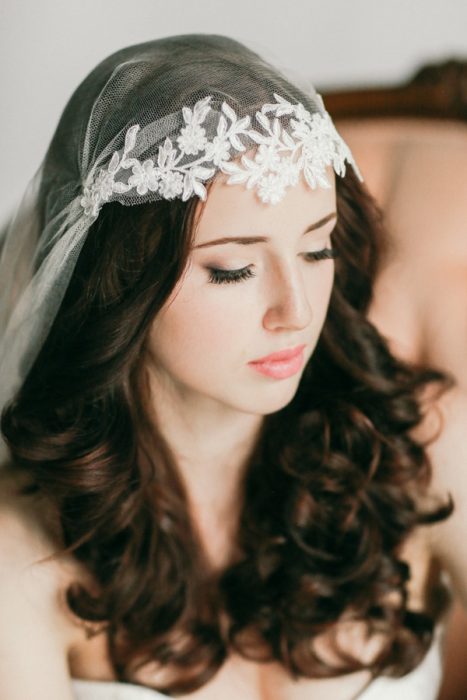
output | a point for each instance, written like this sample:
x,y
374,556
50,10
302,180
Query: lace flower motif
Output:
x,y
309,144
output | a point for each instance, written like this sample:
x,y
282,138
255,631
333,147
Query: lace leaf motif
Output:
x,y
310,144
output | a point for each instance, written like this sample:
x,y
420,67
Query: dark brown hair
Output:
x,y
329,494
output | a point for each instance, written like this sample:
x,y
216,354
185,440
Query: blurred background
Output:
x,y
47,47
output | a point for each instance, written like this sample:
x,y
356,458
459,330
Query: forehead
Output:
x,y
234,209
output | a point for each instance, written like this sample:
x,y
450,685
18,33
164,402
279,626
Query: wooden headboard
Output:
x,y
436,91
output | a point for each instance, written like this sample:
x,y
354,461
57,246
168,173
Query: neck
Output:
x,y
211,444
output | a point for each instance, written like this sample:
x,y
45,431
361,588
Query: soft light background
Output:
x,y
47,47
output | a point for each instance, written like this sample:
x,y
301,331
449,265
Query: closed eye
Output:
x,y
231,276
228,276
325,254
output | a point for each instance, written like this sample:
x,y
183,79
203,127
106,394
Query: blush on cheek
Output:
x,y
198,335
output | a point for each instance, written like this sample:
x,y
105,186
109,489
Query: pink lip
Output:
x,y
282,364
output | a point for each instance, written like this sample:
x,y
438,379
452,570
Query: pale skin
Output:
x,y
218,328
208,332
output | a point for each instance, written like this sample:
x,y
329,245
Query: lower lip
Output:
x,y
280,369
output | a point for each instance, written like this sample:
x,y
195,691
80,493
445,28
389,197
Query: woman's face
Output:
x,y
241,300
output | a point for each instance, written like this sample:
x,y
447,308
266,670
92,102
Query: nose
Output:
x,y
288,304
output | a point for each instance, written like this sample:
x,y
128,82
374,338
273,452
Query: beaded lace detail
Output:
x,y
309,144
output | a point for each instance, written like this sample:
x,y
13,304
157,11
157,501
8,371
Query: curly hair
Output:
x,y
329,492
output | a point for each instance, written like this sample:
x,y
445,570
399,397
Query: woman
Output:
x,y
219,476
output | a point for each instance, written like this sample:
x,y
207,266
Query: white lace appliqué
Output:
x,y
310,144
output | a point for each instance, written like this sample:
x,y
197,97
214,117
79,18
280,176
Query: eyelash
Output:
x,y
229,276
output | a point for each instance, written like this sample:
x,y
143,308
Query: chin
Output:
x,y
273,398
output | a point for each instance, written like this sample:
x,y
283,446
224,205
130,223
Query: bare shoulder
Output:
x,y
446,424
33,571
25,526
34,629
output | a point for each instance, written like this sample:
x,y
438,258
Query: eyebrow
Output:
x,y
248,240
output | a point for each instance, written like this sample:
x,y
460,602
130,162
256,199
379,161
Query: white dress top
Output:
x,y
423,683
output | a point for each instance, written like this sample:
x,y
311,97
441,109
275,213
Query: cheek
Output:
x,y
197,326
319,293
328,283
206,329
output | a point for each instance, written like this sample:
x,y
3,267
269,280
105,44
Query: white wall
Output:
x,y
47,46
